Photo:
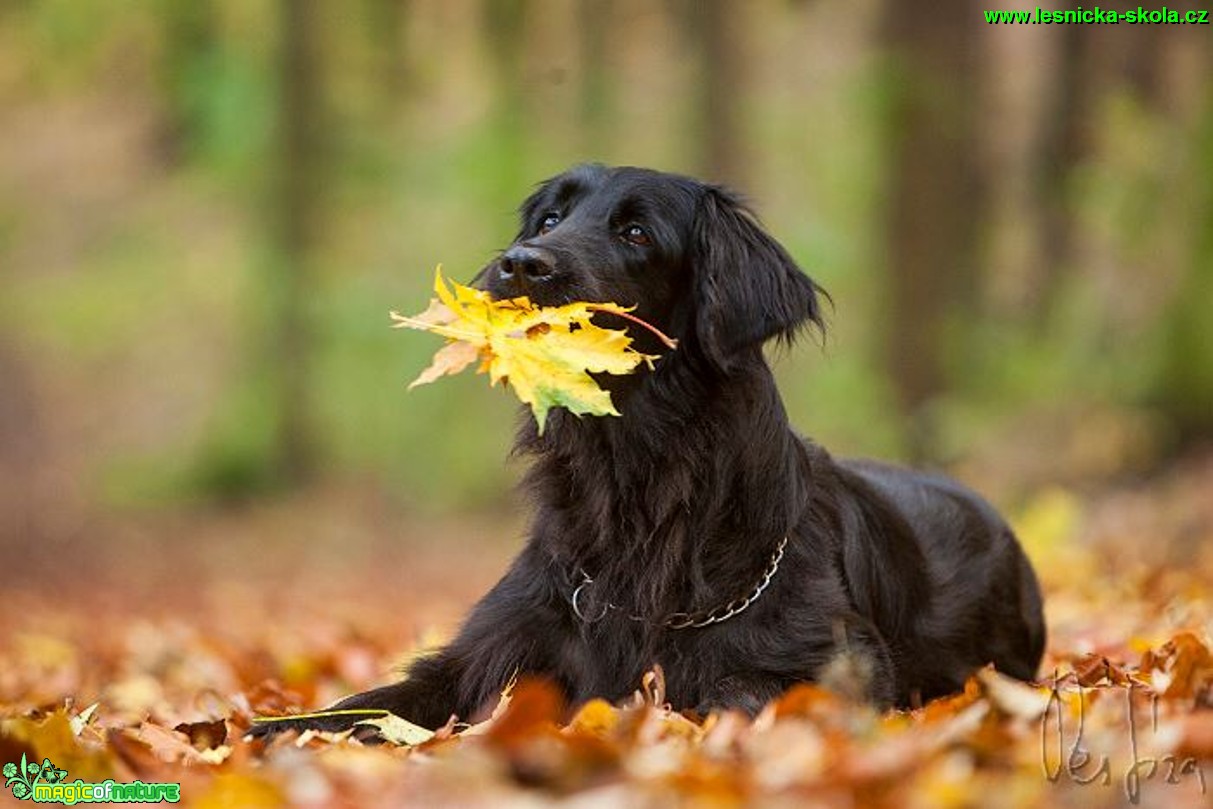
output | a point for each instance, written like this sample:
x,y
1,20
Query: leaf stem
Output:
x,y
670,342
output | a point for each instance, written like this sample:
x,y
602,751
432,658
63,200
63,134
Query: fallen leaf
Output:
x,y
246,790
204,735
166,744
1014,697
596,718
1196,736
400,732
534,708
54,737
1188,660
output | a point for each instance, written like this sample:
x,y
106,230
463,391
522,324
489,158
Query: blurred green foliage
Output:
x,y
136,184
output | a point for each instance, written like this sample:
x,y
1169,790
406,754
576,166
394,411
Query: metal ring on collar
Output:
x,y
577,609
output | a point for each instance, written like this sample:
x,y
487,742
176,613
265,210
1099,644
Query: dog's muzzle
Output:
x,y
522,269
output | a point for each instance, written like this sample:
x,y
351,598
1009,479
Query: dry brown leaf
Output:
x,y
534,709
1188,664
204,735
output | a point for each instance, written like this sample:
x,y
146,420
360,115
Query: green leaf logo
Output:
x,y
22,778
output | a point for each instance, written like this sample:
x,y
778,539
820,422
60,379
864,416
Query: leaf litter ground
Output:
x,y
147,663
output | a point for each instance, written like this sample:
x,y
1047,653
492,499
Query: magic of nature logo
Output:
x,y
46,783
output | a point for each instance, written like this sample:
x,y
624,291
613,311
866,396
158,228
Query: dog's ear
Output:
x,y
747,289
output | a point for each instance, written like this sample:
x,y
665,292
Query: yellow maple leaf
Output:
x,y
544,353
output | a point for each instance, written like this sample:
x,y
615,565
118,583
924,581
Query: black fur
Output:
x,y
679,504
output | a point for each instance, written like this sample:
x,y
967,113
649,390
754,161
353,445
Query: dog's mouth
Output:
x,y
559,289
538,296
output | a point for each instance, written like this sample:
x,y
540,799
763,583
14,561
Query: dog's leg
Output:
x,y
427,697
511,631
747,693
851,659
860,665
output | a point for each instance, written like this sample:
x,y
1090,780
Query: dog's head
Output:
x,y
690,256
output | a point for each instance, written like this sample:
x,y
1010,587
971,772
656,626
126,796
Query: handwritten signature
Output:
x,y
1080,765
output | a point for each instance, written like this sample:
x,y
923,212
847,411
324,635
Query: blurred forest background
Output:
x,y
207,208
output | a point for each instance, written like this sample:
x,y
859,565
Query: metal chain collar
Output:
x,y
691,620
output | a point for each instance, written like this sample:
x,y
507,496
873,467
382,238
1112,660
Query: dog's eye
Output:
x,y
636,235
550,221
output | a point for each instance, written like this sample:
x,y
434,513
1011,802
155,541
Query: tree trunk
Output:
x,y
507,37
1184,390
387,22
934,199
715,26
594,93
190,52
1065,142
298,214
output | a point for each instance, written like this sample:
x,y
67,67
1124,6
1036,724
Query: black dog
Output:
x,y
698,530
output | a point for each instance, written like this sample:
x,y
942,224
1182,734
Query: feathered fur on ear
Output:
x,y
747,288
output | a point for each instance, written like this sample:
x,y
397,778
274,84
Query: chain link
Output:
x,y
693,620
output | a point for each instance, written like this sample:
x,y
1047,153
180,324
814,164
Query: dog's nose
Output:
x,y
525,264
